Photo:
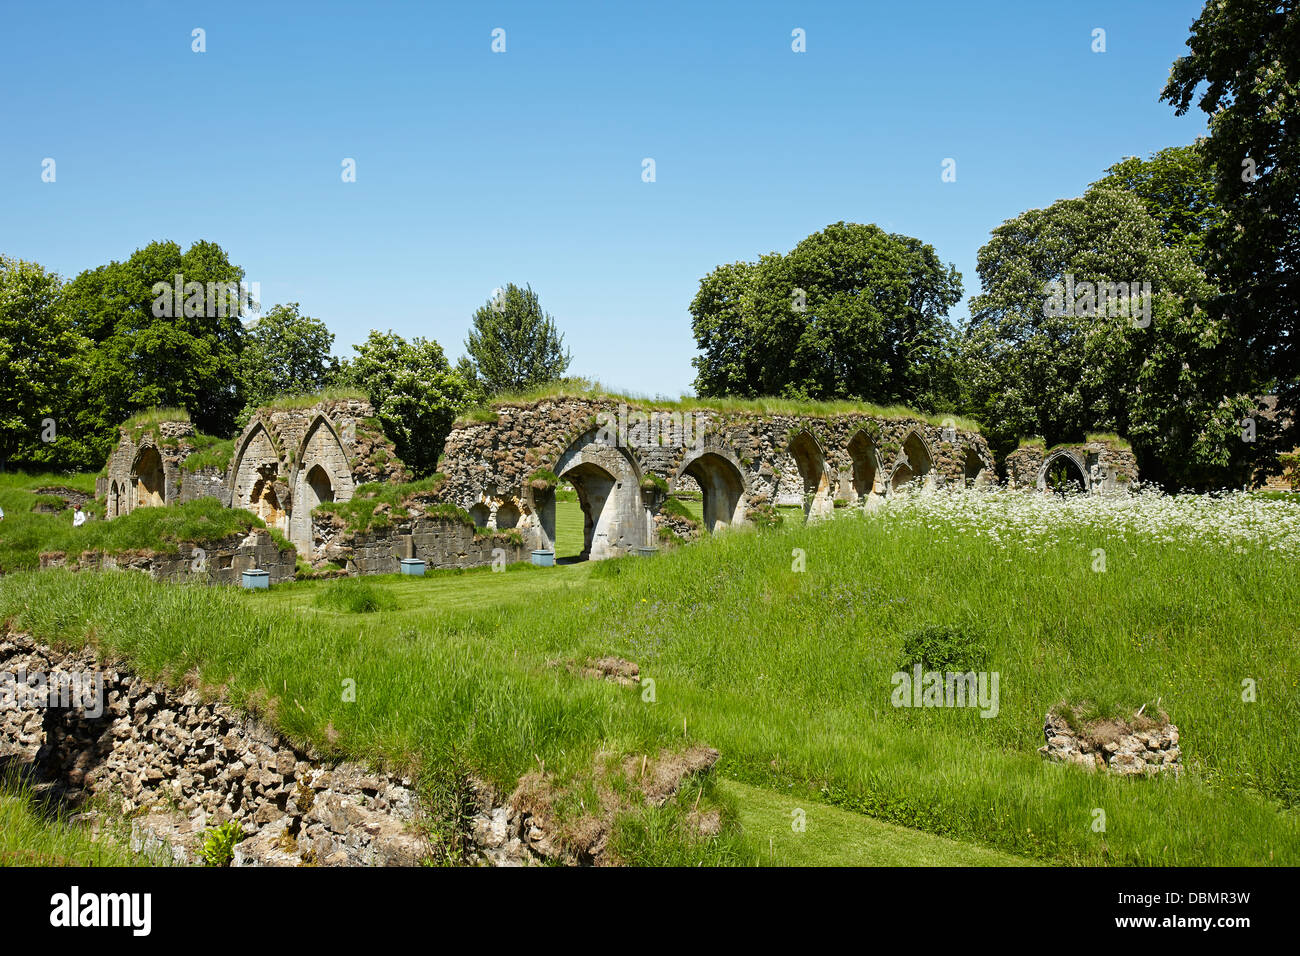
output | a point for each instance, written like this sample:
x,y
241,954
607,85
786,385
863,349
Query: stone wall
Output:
x,y
179,764
211,562
440,542
624,460
1127,751
1097,466
146,470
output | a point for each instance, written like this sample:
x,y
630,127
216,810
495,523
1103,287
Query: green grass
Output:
x,y
594,391
24,535
787,674
209,452
834,837
308,399
30,835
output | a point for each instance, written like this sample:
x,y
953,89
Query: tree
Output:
x,y
42,358
850,312
513,344
285,353
1056,348
1246,53
415,393
152,347
1176,187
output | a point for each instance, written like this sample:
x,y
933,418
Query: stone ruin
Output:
x,y
285,463
1096,466
625,463
289,460
146,470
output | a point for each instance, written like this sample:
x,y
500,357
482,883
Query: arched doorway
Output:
x,y
319,487
607,484
1063,474
972,467
865,457
112,505
150,483
914,462
479,514
811,463
722,489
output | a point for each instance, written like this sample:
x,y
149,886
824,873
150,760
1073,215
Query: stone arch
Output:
x,y
110,504
150,479
722,485
864,454
479,514
257,453
972,466
507,516
1069,465
321,455
608,482
914,461
811,463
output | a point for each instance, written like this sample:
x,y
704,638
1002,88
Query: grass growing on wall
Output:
x,y
25,534
594,391
788,673
33,834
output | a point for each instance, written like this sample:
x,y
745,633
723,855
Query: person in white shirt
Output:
x,y
78,518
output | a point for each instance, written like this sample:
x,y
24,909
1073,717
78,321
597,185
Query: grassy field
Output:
x,y
788,675
30,835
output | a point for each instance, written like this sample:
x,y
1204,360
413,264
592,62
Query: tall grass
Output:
x,y
787,673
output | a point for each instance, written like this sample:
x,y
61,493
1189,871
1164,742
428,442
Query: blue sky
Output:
x,y
476,168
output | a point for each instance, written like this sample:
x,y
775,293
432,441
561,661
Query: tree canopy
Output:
x,y
850,312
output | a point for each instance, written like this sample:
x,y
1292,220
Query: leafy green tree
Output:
x,y
42,361
1147,367
1176,187
850,312
1243,71
415,392
285,353
513,344
150,347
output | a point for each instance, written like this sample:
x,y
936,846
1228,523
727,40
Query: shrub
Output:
x,y
219,843
652,482
943,648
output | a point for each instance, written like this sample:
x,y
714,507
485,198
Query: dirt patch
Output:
x,y
578,820
616,670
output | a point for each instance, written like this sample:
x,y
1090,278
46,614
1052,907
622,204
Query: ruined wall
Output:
x,y
624,469
438,541
289,460
1096,466
211,562
145,470
178,763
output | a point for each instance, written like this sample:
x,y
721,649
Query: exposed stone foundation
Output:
x,y
1118,747
212,562
179,764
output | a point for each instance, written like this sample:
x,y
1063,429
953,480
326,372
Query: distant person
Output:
x,y
2,514
78,517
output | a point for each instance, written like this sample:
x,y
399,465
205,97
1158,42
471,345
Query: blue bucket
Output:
x,y
413,566
255,578
544,558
